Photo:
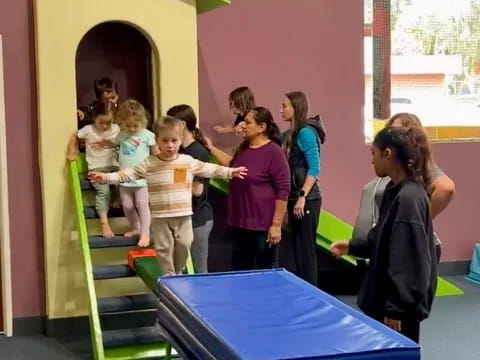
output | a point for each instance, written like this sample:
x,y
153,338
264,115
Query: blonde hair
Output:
x,y
408,120
168,123
132,109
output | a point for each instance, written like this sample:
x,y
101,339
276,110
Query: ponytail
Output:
x,y
273,133
198,136
420,163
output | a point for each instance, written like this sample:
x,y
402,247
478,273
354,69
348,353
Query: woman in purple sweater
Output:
x,y
257,205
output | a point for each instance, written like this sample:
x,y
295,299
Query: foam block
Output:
x,y
135,254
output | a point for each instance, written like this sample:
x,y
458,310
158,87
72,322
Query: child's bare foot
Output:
x,y
132,233
144,241
116,204
107,231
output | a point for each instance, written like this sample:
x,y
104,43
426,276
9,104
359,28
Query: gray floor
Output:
x,y
451,333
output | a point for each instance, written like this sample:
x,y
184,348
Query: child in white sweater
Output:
x,y
169,176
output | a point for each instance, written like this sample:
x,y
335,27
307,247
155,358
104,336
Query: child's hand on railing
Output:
x,y
71,157
97,177
240,172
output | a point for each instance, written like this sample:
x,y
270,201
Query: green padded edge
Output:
x,y
207,5
147,269
331,229
76,168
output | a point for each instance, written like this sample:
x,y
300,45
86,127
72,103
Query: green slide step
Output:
x,y
144,351
332,229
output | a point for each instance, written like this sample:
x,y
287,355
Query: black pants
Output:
x,y
304,239
438,249
411,329
251,251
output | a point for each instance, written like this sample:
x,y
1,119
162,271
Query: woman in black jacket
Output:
x,y
400,284
303,144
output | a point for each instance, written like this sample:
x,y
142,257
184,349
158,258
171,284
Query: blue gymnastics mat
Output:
x,y
269,315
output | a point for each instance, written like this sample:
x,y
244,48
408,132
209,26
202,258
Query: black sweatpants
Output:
x,y
251,251
438,250
304,239
411,329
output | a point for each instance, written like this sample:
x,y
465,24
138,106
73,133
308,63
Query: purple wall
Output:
x,y
16,27
317,46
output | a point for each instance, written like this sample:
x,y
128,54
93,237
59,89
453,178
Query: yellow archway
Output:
x,y
60,25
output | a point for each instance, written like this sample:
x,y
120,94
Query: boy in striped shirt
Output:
x,y
169,177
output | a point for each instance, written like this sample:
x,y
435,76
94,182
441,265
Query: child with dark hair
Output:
x,y
105,90
400,284
101,159
241,100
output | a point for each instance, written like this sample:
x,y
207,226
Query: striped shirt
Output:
x,y
170,182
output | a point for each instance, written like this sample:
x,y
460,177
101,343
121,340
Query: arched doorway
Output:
x,y
120,52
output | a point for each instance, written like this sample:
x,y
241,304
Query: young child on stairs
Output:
x,y
136,143
99,159
169,176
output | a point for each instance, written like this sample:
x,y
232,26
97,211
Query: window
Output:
x,y
423,56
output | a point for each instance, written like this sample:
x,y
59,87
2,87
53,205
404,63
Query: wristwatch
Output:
x,y
301,193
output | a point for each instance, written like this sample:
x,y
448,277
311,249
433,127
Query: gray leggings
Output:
x,y
103,191
201,235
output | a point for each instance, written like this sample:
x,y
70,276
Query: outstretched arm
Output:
x,y
208,170
224,129
443,190
126,175
356,247
222,157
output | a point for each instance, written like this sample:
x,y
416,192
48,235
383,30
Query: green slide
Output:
x,y
333,229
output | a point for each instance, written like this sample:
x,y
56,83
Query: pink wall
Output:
x,y
16,27
457,226
316,46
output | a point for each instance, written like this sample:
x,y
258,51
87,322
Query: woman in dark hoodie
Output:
x,y
302,143
400,284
